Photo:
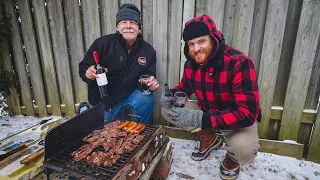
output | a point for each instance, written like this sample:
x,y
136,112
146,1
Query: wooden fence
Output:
x,y
49,39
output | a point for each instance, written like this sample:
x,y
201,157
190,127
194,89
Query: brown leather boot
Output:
x,y
208,141
229,168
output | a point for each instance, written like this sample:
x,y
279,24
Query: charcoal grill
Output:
x,y
61,141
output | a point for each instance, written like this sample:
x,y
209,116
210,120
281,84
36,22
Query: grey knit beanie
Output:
x,y
128,12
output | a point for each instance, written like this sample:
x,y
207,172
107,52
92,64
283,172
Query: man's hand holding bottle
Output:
x,y
91,73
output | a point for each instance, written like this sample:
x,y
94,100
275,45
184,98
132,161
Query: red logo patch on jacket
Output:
x,y
142,60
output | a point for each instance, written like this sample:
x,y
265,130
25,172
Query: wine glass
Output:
x,y
180,99
144,79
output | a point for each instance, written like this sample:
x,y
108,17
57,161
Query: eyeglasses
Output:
x,y
131,23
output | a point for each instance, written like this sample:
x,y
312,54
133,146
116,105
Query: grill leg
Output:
x,y
47,173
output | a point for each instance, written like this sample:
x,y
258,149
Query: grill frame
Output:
x,y
57,152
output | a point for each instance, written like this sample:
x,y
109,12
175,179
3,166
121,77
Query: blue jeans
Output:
x,y
141,104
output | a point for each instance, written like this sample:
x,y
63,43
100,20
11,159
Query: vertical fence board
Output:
x,y
59,44
228,20
46,54
314,148
14,101
242,25
91,22
188,13
174,42
31,49
273,131
314,90
147,25
20,64
270,58
200,7
160,41
108,12
289,39
304,136
13,98
303,58
215,10
135,2
258,25
76,47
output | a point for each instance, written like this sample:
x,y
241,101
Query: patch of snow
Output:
x,y
3,106
290,141
313,111
12,125
265,167
277,107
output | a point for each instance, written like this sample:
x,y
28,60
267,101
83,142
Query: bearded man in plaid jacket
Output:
x,y
227,111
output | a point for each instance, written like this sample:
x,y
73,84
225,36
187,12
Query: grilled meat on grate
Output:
x,y
114,142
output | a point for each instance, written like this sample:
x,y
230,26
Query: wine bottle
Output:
x,y
102,80
167,91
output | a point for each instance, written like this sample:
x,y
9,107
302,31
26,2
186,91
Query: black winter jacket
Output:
x,y
124,69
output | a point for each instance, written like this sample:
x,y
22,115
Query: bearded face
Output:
x,y
200,48
129,29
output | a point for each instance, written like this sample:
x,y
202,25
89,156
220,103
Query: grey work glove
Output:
x,y
166,101
186,116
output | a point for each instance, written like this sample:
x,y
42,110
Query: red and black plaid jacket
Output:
x,y
226,86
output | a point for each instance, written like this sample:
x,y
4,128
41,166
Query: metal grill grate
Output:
x,y
63,161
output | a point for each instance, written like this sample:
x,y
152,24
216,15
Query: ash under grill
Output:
x,y
60,143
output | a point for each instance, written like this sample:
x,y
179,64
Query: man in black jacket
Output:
x,y
126,56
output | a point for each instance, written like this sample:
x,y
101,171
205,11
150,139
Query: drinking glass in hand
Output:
x,y
144,79
180,99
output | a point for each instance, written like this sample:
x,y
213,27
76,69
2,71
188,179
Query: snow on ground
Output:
x,y
3,106
11,125
265,167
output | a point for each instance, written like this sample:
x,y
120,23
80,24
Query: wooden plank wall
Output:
x,y
281,37
300,73
20,64
32,55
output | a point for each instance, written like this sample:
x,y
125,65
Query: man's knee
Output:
x,y
244,149
137,100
